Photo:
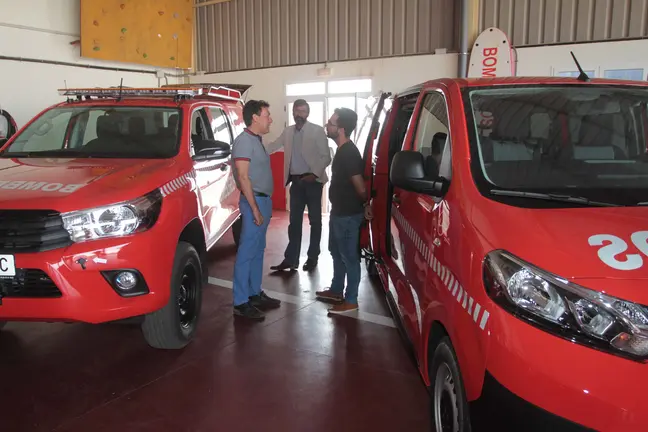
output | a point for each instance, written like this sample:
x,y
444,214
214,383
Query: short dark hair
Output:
x,y
252,107
301,102
347,120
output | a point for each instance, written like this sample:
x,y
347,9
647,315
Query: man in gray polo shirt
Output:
x,y
253,176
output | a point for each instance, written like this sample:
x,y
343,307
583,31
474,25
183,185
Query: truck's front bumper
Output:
x,y
75,284
538,381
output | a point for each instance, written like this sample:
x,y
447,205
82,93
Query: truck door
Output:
x,y
225,186
422,220
369,131
8,127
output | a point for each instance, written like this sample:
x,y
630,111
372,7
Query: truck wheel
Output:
x,y
173,326
449,407
236,230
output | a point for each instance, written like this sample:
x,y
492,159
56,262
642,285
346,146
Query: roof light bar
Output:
x,y
181,90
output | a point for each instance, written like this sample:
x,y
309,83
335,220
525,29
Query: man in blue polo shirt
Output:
x,y
253,177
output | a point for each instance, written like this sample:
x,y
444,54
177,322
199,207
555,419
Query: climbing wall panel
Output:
x,y
152,32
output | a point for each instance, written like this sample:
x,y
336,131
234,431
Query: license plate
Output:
x,y
7,266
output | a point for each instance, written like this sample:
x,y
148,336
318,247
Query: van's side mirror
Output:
x,y
408,172
211,150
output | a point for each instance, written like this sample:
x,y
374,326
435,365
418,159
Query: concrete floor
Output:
x,y
299,370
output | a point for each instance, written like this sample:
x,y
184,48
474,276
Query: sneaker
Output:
x,y
246,310
329,295
264,302
343,308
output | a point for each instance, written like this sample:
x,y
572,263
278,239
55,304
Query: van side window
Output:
x,y
431,138
220,125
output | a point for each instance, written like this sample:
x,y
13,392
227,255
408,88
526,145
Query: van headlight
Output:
x,y
114,220
567,310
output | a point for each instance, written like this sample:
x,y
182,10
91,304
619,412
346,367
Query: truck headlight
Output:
x,y
115,220
567,310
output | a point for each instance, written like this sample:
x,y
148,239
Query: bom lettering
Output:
x,y
613,248
489,63
41,186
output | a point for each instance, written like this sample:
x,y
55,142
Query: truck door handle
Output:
x,y
396,199
223,167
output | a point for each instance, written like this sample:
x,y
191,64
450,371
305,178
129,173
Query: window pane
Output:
x,y
625,74
350,86
432,134
316,115
304,89
574,74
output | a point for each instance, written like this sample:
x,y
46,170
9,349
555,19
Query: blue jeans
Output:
x,y
344,237
304,194
248,268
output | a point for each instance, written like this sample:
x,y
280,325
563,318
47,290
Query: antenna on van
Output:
x,y
121,86
582,76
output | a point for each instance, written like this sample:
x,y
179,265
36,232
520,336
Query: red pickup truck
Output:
x,y
510,234
109,202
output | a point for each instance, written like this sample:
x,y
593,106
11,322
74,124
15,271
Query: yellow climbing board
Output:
x,y
151,32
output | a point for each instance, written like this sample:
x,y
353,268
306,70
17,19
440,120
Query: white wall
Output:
x,y
389,74
395,74
43,29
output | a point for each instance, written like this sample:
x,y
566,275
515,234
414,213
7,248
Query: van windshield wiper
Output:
x,y
552,197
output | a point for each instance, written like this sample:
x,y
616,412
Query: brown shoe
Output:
x,y
329,295
343,308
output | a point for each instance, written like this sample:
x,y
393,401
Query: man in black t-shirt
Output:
x,y
349,207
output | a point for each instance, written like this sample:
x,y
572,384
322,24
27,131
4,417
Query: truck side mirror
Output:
x,y
211,150
408,172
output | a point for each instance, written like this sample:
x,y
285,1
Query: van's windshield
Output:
x,y
102,131
588,141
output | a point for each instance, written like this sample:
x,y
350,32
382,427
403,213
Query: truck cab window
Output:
x,y
220,126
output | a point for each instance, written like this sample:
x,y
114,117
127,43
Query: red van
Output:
x,y
511,237
109,202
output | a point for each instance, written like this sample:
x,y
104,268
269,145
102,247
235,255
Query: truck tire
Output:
x,y
173,326
448,405
236,230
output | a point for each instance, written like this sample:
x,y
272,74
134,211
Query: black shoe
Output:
x,y
264,302
284,266
310,264
247,310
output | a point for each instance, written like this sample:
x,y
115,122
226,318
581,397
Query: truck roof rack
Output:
x,y
177,91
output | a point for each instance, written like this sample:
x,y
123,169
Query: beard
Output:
x,y
299,121
333,135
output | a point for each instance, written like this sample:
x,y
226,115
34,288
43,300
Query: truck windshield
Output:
x,y
100,131
583,140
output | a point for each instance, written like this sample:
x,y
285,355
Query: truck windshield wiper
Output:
x,y
552,197
46,153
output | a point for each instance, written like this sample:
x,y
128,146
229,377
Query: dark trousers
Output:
x,y
304,194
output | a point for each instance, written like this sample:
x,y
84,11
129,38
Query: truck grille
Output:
x,y
24,231
29,283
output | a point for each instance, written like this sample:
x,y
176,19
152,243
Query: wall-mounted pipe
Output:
x,y
464,38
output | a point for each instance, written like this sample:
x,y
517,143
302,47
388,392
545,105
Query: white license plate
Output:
x,y
7,266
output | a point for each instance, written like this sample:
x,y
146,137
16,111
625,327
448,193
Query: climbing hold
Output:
x,y
123,6
96,48
159,35
175,36
161,13
95,22
171,58
145,55
175,15
123,30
